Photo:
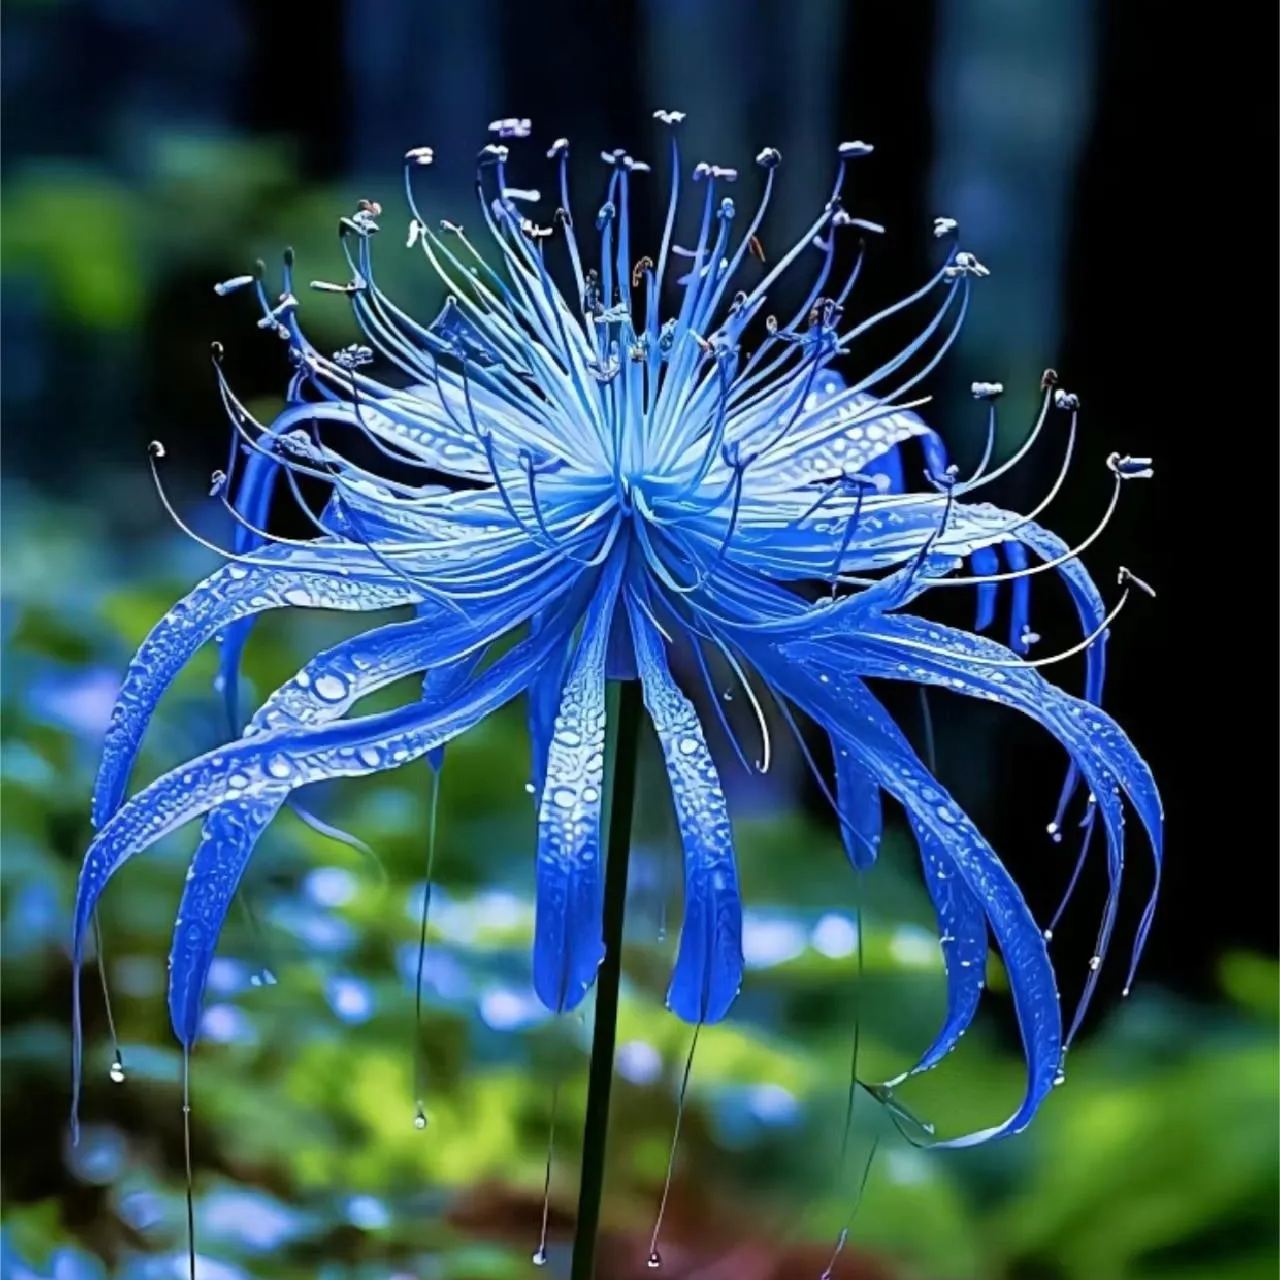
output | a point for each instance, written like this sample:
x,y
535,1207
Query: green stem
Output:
x,y
627,714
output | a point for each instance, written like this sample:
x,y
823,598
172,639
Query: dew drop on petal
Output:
x,y
279,767
331,688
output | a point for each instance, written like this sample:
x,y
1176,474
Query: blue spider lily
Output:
x,y
621,486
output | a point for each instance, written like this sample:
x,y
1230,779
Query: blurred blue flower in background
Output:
x,y
620,489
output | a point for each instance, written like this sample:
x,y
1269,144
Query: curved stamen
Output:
x,y
1117,466
862,484
1126,579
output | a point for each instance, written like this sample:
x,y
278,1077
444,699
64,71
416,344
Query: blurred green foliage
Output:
x,y
1156,1160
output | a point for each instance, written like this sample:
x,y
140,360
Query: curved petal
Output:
x,y
962,930
568,945
235,591
858,808
708,972
264,763
899,647
822,685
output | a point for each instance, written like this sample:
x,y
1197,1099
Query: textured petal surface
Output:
x,y
708,970
567,944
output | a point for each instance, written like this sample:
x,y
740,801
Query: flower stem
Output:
x,y
626,717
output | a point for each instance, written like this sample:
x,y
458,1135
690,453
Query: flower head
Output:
x,y
614,454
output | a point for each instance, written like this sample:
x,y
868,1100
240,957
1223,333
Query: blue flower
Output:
x,y
615,484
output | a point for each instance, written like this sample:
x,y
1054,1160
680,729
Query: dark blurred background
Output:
x,y
1114,165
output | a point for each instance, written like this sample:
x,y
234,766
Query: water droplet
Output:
x,y
279,767
688,746
539,1257
654,1261
530,788
237,782
1095,963
371,756
1060,1079
590,795
1048,935
297,596
331,688
237,571
1125,993
419,1119
117,1072
563,797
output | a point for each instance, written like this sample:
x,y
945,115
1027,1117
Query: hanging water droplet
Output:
x,y
539,1257
117,1071
654,1261
419,1119
1125,993
529,788
1095,963
330,687
279,767
1060,1078
1055,832
1048,935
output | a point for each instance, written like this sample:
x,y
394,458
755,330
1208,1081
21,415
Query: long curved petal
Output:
x,y
708,972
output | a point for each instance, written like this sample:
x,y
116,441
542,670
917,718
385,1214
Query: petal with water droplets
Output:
x,y
708,972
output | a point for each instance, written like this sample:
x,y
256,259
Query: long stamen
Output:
x,y
1085,841
1126,579
540,1253
654,1260
843,1238
186,1155
419,1065
862,484
117,1062
1123,469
